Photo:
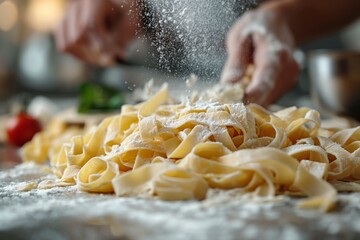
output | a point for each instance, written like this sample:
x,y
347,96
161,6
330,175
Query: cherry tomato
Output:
x,y
21,128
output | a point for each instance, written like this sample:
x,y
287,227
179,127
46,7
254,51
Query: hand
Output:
x,y
263,39
98,31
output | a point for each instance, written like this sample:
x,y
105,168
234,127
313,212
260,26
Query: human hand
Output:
x,y
98,31
263,39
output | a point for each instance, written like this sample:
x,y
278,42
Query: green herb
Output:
x,y
98,98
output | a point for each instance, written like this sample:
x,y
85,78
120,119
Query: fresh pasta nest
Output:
x,y
179,151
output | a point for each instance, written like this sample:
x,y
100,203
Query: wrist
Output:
x,y
308,19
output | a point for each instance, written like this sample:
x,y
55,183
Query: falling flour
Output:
x,y
189,36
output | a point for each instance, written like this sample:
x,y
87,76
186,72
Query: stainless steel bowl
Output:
x,y
335,81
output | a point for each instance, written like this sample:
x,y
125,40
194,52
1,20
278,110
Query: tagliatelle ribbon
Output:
x,y
96,175
165,180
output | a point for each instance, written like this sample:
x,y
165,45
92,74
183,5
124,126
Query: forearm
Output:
x,y
308,19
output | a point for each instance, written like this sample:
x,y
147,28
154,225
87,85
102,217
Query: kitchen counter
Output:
x,y
65,213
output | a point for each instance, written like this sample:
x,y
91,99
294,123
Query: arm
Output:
x,y
267,37
308,19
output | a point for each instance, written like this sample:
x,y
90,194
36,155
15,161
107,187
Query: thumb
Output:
x,y
257,93
239,57
262,85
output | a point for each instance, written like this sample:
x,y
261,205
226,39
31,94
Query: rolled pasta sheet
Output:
x,y
167,181
96,175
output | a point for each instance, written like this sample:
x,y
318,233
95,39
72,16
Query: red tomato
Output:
x,y
21,128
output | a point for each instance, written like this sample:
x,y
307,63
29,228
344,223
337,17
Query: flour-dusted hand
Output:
x,y
261,38
267,36
98,31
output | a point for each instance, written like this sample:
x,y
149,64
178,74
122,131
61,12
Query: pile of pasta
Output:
x,y
179,151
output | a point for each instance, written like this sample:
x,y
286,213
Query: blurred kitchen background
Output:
x,y
30,63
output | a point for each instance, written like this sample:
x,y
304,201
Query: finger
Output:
x,y
126,29
239,57
61,31
59,36
259,91
75,33
74,23
81,43
262,85
96,52
71,27
112,29
88,44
